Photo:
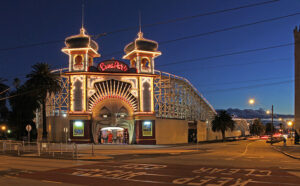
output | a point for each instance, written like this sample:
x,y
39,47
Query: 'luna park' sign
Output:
x,y
113,66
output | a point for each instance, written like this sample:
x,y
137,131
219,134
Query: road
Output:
x,y
231,163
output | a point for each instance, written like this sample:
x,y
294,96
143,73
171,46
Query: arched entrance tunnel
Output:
x,y
112,122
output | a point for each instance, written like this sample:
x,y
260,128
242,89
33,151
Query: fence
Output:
x,y
24,148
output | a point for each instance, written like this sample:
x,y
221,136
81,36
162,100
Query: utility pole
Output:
x,y
272,116
272,125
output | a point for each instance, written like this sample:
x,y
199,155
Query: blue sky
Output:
x,y
225,82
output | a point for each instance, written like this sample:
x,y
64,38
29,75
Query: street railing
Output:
x,y
24,148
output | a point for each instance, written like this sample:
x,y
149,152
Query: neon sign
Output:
x,y
113,66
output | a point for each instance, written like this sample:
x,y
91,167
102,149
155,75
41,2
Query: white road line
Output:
x,y
49,181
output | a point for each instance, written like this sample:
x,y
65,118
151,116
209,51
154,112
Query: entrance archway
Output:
x,y
109,114
113,135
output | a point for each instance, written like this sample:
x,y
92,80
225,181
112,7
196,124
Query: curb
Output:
x,y
285,153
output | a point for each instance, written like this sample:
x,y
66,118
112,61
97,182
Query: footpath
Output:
x,y
290,149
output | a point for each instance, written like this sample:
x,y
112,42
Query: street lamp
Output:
x,y
3,128
251,101
290,124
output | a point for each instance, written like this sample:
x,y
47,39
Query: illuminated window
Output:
x,y
78,128
147,128
78,60
145,63
133,63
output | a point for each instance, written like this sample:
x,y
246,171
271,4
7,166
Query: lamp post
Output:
x,y
290,124
251,101
66,134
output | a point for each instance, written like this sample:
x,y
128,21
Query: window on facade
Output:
x,y
78,60
133,63
147,128
145,63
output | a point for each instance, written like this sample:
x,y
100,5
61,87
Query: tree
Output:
x,y
223,122
257,128
3,93
43,83
270,129
23,105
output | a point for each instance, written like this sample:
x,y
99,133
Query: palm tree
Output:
x,y
43,83
3,93
223,122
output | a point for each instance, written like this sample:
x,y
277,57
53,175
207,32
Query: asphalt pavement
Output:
x,y
231,163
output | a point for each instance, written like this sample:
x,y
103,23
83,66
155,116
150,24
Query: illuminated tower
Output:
x,y
141,53
297,84
81,50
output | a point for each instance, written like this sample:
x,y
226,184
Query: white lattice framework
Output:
x,y
59,103
175,97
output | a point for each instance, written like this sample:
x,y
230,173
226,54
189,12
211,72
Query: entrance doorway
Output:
x,y
192,132
113,135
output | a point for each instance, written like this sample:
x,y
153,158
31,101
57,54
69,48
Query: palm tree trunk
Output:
x,y
223,135
44,136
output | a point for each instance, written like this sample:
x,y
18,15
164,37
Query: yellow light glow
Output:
x,y
3,128
251,101
290,123
68,50
155,54
268,112
280,119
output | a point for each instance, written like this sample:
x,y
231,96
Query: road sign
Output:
x,y
28,128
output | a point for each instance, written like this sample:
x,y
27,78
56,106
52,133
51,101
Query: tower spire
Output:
x,y
82,30
82,14
140,34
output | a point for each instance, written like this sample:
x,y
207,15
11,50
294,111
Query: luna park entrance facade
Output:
x,y
112,122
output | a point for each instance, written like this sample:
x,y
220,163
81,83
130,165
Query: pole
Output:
x,y
272,115
28,137
272,126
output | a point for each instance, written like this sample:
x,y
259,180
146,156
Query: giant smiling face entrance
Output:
x,y
112,122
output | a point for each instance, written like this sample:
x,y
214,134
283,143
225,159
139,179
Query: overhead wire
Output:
x,y
227,54
215,31
146,25
247,87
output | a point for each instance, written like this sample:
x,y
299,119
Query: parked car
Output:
x,y
265,137
274,139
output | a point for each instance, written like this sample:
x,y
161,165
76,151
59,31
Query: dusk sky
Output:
x,y
227,81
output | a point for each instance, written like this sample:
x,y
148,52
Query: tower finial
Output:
x,y
140,34
82,16
140,21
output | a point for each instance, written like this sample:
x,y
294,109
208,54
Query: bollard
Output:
x,y
92,149
23,143
18,150
73,151
61,148
76,151
38,149
53,149
3,150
